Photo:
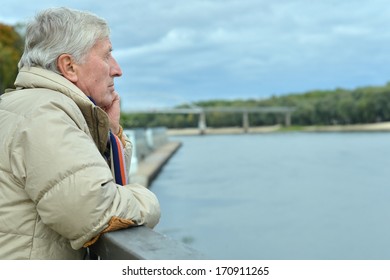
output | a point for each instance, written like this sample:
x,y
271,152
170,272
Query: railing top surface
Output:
x,y
142,243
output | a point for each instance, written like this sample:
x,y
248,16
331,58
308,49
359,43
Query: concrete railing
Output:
x,y
151,150
141,243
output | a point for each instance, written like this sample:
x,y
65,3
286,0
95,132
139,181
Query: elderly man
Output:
x,y
63,180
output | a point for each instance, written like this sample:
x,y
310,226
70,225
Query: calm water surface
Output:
x,y
279,196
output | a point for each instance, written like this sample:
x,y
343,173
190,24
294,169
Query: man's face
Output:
x,y
96,74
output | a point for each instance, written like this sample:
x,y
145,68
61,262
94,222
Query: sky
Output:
x,y
176,52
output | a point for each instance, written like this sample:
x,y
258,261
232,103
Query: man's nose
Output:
x,y
116,70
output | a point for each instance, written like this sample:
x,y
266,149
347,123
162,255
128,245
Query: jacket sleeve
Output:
x,y
70,182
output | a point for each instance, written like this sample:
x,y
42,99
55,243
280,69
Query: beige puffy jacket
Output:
x,y
57,193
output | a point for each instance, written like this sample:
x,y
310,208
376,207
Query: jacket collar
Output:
x,y
97,120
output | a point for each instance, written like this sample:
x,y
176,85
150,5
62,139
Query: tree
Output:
x,y
11,48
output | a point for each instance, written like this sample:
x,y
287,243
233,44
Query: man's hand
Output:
x,y
114,113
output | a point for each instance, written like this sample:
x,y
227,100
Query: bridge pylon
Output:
x,y
202,123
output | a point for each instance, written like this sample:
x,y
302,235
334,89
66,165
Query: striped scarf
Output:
x,y
118,163
116,157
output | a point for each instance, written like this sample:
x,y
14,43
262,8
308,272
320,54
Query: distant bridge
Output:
x,y
202,111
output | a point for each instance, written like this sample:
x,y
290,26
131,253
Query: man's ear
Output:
x,y
66,65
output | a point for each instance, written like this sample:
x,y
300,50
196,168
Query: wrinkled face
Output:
x,y
96,74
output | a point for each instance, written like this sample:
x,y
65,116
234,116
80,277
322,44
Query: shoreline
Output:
x,y
378,127
373,127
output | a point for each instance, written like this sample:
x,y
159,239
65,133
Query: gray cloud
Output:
x,y
180,51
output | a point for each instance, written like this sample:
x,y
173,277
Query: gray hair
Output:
x,y
61,30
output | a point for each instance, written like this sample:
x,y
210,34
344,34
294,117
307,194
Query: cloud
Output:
x,y
238,48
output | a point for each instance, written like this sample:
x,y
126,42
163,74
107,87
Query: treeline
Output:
x,y
11,49
340,106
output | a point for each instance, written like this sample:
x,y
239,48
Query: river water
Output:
x,y
288,196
